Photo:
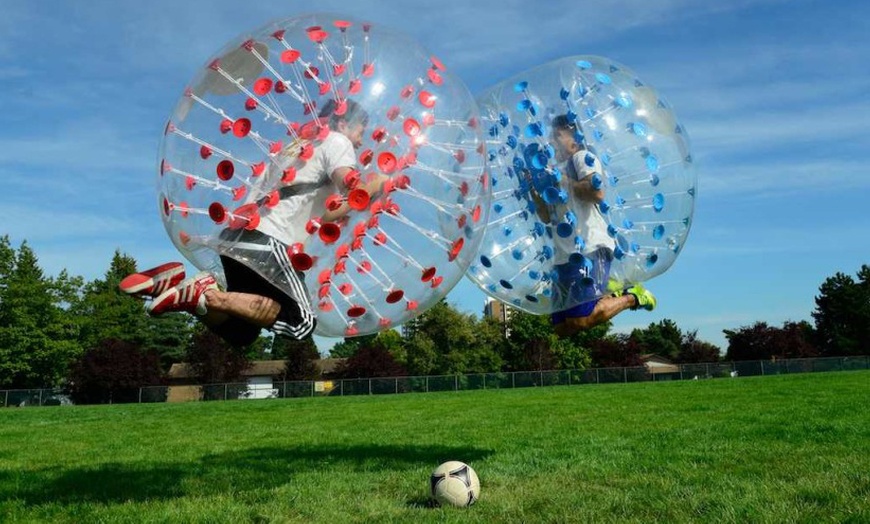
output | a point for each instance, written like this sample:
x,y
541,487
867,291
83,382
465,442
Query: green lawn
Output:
x,y
793,448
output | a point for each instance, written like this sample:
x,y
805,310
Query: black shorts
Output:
x,y
294,320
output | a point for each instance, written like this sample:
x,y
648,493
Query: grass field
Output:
x,y
793,448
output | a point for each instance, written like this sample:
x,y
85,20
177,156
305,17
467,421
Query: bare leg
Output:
x,y
258,310
606,308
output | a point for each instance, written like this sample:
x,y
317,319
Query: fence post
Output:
x,y
625,375
455,382
370,386
681,372
40,397
6,400
285,389
513,379
397,385
707,370
597,378
140,395
762,367
341,388
225,390
484,381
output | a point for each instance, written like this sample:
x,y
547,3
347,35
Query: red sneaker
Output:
x,y
187,296
153,281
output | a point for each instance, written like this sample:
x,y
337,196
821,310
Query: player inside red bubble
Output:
x,y
256,263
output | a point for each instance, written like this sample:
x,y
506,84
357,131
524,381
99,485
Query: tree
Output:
x,y
38,335
443,342
213,360
694,350
528,344
616,351
762,342
371,360
301,357
348,346
113,372
842,314
664,338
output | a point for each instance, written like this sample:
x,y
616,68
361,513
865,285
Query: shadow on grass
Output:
x,y
232,472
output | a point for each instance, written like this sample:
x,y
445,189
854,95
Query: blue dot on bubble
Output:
x,y
658,202
658,232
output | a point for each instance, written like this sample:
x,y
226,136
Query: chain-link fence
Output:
x,y
394,385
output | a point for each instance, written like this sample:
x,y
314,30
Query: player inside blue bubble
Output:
x,y
583,249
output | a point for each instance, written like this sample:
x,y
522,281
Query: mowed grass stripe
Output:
x,y
770,449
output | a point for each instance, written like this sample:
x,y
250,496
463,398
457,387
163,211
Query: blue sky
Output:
x,y
775,96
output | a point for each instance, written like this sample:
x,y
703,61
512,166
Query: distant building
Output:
x,y
499,311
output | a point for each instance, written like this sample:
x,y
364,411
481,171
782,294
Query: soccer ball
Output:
x,y
454,483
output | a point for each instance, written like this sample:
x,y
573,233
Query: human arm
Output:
x,y
345,177
589,184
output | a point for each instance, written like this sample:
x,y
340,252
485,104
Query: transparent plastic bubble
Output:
x,y
593,184
253,148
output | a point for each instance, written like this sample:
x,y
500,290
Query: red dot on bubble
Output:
x,y
437,64
226,125
217,212
189,182
225,169
411,127
387,162
393,112
395,296
341,24
289,56
250,104
356,311
368,70
365,158
272,199
329,232
345,289
435,78
167,207
354,87
280,87
456,248
338,69
239,193
427,99
183,237
262,86
325,306
311,72
475,215
428,274
358,199
301,261
204,152
241,127
317,34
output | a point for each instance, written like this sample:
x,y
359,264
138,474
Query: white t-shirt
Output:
x,y
590,226
286,221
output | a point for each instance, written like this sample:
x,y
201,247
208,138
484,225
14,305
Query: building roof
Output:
x,y
258,368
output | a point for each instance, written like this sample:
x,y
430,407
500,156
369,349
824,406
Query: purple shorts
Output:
x,y
583,284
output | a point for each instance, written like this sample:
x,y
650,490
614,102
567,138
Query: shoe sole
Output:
x,y
153,281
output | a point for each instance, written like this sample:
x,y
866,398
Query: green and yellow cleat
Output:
x,y
645,298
